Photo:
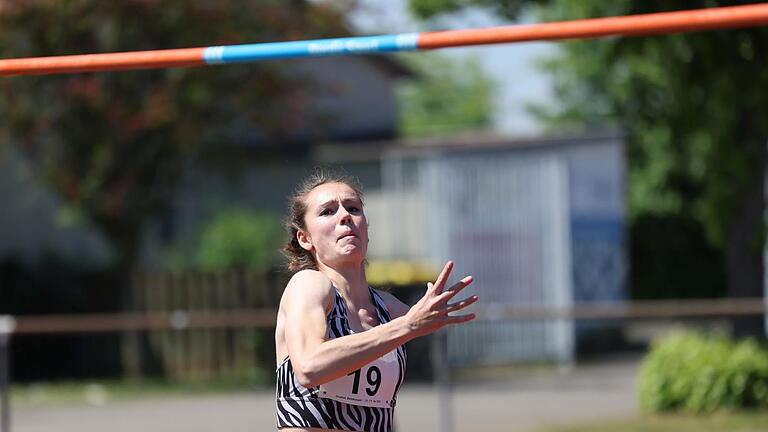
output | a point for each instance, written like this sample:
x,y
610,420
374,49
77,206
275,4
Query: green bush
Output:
x,y
690,372
240,238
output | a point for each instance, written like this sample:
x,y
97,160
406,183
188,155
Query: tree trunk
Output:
x,y
744,240
130,340
125,238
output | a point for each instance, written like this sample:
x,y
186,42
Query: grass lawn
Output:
x,y
720,422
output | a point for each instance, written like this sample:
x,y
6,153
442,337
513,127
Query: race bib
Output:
x,y
372,385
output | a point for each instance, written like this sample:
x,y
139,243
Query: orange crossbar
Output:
x,y
633,25
103,62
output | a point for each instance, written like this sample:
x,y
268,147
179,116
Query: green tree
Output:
x,y
447,96
694,107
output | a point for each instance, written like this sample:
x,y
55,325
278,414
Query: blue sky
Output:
x,y
511,66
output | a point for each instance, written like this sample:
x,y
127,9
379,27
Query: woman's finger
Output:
x,y
443,277
458,319
452,307
456,288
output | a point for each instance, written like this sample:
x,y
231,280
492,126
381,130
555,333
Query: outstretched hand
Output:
x,y
431,313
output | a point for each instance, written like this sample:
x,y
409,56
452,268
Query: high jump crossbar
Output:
x,y
632,25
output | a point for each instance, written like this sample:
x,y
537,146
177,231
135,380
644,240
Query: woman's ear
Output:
x,y
304,240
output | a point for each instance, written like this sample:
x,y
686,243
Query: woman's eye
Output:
x,y
353,209
326,212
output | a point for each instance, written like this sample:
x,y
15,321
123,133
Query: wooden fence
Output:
x,y
193,353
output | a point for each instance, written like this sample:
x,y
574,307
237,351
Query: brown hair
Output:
x,y
298,257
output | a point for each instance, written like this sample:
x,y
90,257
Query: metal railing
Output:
x,y
265,317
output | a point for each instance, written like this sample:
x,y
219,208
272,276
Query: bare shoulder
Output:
x,y
301,318
306,288
395,307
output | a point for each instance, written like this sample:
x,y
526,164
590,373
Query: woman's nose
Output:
x,y
344,215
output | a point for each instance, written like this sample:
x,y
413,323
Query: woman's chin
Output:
x,y
350,254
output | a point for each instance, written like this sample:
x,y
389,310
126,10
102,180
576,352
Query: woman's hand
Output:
x,y
431,313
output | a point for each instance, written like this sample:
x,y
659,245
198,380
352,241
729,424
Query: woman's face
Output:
x,y
337,230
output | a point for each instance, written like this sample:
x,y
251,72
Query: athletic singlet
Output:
x,y
360,401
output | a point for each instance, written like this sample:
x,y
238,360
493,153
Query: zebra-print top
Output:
x,y
298,406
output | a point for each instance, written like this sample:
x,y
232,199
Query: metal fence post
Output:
x,y
7,326
442,366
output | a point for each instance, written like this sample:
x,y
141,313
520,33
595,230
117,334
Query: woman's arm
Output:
x,y
317,360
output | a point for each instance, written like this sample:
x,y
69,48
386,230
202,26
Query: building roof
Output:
x,y
471,140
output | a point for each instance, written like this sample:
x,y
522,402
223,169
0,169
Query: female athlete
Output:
x,y
339,343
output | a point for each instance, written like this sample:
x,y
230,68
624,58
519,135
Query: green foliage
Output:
x,y
687,371
239,238
113,145
448,96
427,9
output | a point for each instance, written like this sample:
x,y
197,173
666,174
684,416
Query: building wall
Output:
x,y
354,96
597,219
540,224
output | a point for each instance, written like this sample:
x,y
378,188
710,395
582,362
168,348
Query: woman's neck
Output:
x,y
350,280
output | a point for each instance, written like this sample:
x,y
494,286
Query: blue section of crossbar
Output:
x,y
312,48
